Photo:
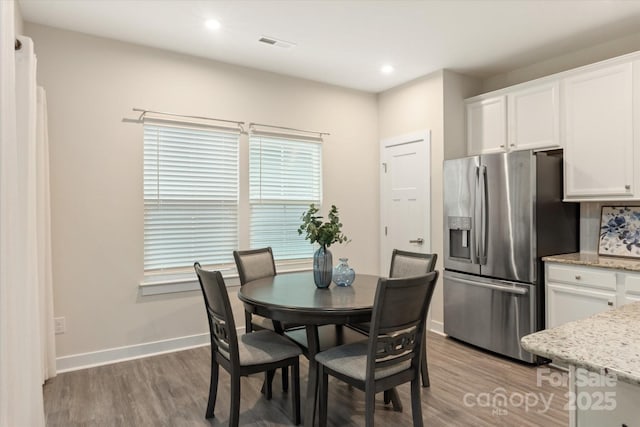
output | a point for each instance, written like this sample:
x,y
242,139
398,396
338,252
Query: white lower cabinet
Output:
x,y
610,403
573,293
631,288
569,303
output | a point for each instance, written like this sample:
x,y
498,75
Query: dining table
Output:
x,y
294,298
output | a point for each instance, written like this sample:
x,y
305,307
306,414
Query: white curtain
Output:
x,y
27,355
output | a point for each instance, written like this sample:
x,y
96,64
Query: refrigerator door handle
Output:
x,y
501,288
476,219
482,254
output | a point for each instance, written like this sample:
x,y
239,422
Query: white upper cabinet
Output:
x,y
598,131
487,125
593,112
525,117
533,117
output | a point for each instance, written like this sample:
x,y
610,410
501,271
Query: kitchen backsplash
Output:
x,y
590,223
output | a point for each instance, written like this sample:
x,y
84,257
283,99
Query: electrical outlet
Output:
x,y
59,325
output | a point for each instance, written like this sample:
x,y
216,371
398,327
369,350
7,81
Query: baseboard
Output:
x,y
75,362
437,327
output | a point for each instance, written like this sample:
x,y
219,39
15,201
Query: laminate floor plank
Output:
x,y
469,387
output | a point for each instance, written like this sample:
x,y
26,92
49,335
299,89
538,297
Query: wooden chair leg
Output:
x,y
323,396
295,395
285,379
248,326
268,382
416,404
234,411
369,405
424,369
395,399
387,397
213,389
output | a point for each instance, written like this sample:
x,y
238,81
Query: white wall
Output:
x,y
457,87
96,172
421,104
18,22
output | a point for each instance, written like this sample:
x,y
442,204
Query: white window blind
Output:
x,y
285,177
190,196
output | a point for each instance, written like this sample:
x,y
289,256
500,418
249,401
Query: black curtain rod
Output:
x,y
18,44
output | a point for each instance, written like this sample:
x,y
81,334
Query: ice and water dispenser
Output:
x,y
459,237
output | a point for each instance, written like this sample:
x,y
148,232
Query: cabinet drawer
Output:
x,y
632,284
594,278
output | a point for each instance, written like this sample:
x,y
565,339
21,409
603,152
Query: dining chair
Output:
x,y
254,264
407,264
260,351
391,355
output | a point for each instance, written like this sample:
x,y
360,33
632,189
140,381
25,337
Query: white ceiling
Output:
x,y
346,42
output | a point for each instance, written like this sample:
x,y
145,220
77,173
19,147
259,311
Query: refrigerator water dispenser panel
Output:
x,y
459,237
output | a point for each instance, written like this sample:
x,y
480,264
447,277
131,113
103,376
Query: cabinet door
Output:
x,y
569,303
534,117
487,126
598,131
631,289
605,405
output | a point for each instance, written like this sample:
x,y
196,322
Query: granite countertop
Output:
x,y
609,340
595,260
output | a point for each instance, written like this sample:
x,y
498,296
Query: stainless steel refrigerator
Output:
x,y
502,213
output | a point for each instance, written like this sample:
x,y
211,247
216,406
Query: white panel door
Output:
x,y
598,126
405,196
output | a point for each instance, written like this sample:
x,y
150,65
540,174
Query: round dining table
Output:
x,y
294,298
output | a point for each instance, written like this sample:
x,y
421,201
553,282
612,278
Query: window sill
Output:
x,y
158,284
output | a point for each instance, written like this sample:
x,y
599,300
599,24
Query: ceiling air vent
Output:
x,y
275,42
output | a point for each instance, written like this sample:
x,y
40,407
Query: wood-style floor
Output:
x,y
469,387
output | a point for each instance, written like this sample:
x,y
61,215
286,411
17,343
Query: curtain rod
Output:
x,y
145,111
18,45
285,128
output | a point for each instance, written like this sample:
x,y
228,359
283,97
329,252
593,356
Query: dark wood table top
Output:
x,y
294,297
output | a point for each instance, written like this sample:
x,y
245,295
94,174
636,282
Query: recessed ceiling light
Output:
x,y
212,24
386,69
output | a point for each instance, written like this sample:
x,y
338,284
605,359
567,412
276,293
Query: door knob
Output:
x,y
419,241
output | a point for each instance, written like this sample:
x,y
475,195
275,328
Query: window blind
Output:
x,y
190,196
285,177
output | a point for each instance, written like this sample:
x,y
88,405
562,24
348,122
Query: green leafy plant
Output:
x,y
324,233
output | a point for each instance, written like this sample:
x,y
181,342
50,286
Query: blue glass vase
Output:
x,y
322,267
343,275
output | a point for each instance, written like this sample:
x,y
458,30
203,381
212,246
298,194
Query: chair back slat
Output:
x,y
254,264
222,327
409,264
395,348
398,320
220,333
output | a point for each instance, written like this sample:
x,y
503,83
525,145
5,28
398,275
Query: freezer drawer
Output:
x,y
491,314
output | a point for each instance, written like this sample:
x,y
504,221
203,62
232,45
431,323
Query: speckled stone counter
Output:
x,y
608,340
594,260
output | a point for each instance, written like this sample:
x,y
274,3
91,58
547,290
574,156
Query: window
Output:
x,y
285,177
190,196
